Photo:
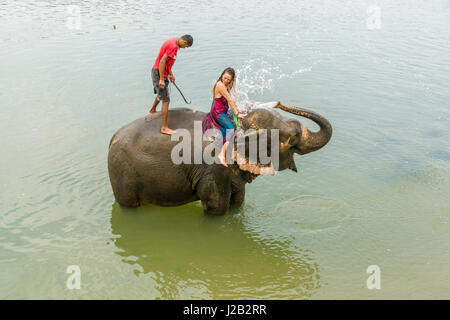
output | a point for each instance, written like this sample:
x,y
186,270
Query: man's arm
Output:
x,y
162,66
171,76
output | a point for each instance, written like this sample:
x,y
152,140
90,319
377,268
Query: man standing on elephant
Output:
x,y
162,72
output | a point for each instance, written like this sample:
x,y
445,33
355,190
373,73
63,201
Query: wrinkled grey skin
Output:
x,y
141,170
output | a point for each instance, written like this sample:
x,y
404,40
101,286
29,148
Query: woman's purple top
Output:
x,y
210,121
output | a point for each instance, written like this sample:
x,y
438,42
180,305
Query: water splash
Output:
x,y
257,77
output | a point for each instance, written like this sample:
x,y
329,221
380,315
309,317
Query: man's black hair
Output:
x,y
188,38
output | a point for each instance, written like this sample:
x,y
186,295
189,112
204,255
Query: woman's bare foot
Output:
x,y
167,130
222,156
222,159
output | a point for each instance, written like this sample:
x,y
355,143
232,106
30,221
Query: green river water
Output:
x,y
377,194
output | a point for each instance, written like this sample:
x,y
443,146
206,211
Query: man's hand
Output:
x,y
162,84
171,78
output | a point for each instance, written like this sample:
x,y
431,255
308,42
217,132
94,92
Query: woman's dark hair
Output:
x,y
188,38
231,72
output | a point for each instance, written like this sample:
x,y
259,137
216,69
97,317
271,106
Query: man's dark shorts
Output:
x,y
163,94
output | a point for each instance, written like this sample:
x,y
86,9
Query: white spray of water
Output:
x,y
256,77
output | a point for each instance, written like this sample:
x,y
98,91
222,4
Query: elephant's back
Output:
x,y
144,134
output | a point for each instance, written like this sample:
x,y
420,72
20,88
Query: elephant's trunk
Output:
x,y
310,141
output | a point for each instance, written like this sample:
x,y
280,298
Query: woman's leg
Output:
x,y
227,128
228,125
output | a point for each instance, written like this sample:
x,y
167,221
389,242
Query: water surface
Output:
x,y
377,194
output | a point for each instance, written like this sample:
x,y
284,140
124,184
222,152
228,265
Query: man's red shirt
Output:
x,y
170,48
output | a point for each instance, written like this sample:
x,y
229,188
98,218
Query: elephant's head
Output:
x,y
293,136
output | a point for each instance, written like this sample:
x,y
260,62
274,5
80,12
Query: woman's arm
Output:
x,y
224,92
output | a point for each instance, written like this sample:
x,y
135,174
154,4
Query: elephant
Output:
x,y
141,169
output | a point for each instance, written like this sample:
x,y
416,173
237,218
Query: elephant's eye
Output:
x,y
293,141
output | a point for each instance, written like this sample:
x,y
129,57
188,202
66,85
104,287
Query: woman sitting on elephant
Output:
x,y
217,118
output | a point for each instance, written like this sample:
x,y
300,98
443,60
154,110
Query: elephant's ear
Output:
x,y
247,151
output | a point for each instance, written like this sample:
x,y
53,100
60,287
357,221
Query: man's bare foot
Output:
x,y
167,131
152,111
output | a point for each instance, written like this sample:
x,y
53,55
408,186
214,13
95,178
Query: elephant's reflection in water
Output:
x,y
191,255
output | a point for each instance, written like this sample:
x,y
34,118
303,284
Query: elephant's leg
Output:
x,y
122,176
237,198
215,195
125,193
